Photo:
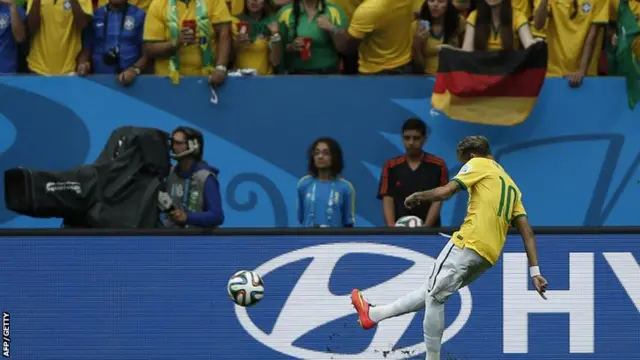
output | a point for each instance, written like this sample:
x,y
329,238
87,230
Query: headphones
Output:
x,y
195,143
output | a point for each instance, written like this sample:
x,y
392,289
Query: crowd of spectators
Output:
x,y
175,38
211,37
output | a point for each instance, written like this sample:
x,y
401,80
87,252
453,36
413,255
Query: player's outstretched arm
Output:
x,y
524,228
438,194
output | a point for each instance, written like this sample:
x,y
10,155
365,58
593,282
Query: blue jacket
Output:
x,y
326,203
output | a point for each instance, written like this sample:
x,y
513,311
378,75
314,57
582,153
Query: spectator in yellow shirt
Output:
x,y
526,8
56,30
439,23
253,33
495,25
382,32
235,6
575,35
179,34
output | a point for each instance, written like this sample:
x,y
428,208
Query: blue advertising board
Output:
x,y
165,298
575,159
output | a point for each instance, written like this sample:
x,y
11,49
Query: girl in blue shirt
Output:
x,y
324,198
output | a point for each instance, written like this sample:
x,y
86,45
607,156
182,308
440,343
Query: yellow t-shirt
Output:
x,y
58,42
566,36
142,4
495,39
494,201
431,51
524,6
348,6
235,6
156,29
385,28
254,55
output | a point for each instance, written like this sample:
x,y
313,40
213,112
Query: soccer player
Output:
x,y
494,202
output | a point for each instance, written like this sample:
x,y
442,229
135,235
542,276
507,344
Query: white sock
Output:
x,y
412,302
433,327
433,355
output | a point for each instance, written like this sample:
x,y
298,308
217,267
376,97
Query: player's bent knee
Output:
x,y
440,298
443,292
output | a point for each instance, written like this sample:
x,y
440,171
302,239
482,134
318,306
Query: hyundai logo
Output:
x,y
312,305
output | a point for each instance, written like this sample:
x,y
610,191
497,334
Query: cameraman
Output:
x,y
112,43
192,185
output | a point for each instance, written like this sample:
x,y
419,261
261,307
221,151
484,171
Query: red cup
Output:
x,y
243,27
305,53
190,24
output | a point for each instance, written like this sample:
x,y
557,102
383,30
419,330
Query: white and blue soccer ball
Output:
x,y
409,221
245,288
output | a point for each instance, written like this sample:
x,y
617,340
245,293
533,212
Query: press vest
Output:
x,y
194,199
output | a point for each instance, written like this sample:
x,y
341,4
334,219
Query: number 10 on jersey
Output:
x,y
506,202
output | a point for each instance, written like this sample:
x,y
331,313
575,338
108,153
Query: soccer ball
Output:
x,y
245,288
409,221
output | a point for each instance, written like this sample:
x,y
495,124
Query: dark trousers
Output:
x,y
350,64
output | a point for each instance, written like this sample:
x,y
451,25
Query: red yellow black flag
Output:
x,y
490,87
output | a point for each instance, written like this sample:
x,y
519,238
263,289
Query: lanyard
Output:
x,y
312,205
185,197
106,23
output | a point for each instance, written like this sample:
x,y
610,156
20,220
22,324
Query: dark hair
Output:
x,y
415,124
296,14
337,160
191,134
484,24
266,10
475,144
451,20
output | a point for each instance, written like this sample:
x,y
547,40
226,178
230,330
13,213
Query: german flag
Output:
x,y
490,87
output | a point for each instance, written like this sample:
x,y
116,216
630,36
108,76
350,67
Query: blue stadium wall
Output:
x,y
576,158
164,298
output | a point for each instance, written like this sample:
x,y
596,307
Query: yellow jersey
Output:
x,y
495,38
494,201
384,26
58,42
566,36
156,29
526,7
235,6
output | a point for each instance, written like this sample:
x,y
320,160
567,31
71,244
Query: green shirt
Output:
x,y
323,54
